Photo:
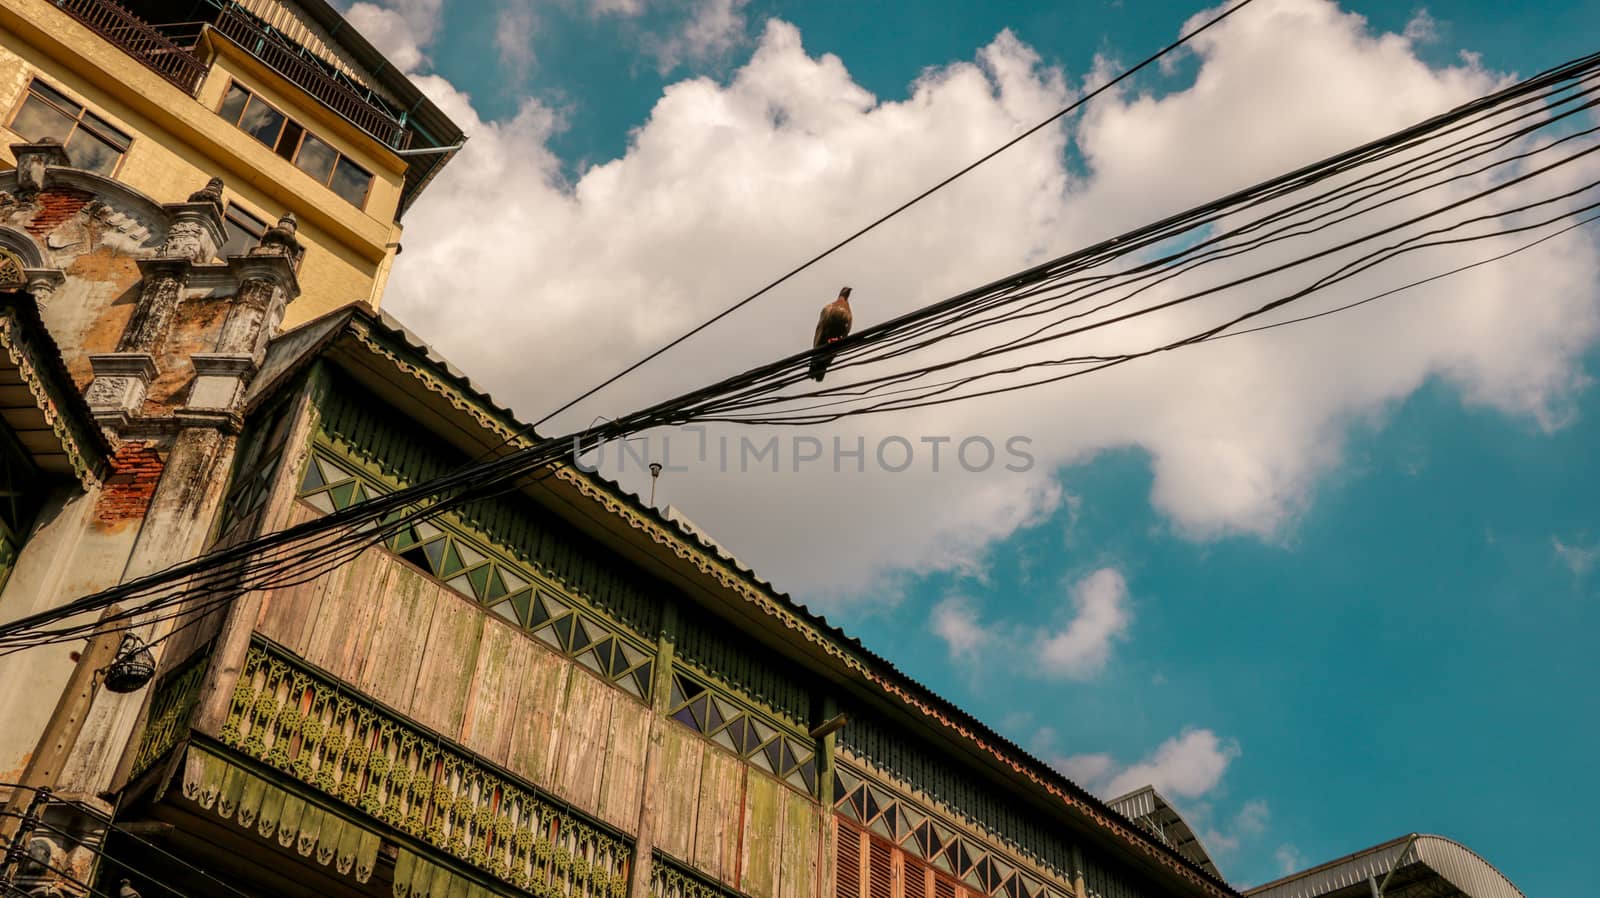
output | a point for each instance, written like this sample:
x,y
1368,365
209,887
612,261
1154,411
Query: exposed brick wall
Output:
x,y
56,206
136,469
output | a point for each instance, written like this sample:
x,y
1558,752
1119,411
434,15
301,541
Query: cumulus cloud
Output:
x,y
1188,765
400,29
1078,651
729,181
1081,650
1288,858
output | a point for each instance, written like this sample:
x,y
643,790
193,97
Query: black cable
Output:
x,y
262,561
1052,119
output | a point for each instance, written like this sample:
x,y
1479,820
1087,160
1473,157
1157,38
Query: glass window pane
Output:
x,y
243,231
90,153
233,104
107,131
290,140
37,120
262,122
55,96
351,181
316,158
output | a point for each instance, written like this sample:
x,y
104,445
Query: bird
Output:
x,y
127,890
832,326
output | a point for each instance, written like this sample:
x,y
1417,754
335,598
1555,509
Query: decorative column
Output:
x,y
193,237
42,283
267,284
122,378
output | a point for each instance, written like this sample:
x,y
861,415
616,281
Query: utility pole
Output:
x,y
66,722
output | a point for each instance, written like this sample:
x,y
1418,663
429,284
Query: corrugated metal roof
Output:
x,y
1147,808
1426,860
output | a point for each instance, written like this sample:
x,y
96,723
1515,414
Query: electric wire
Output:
x,y
1479,143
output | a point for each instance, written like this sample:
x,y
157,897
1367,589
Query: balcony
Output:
x,y
170,49
139,39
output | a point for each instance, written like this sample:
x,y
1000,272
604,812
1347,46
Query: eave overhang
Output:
x,y
39,400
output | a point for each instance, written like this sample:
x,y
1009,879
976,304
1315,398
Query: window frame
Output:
x,y
77,119
340,157
234,208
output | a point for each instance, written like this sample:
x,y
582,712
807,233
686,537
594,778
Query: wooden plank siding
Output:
x,y
717,832
580,752
677,793
534,733
761,853
494,703
622,777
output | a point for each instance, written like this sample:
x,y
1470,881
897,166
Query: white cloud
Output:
x,y
1578,559
400,29
1250,821
713,28
1078,651
514,39
727,183
954,621
1082,769
1081,650
1289,860
1423,28
1188,765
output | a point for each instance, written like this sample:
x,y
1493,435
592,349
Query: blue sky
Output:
x,y
1395,636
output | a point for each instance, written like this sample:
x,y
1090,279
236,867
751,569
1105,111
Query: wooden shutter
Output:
x,y
918,876
943,886
880,869
850,850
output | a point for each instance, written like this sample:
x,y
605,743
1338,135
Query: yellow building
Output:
x,y
296,113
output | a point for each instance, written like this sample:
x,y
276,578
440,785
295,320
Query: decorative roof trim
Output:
x,y
28,343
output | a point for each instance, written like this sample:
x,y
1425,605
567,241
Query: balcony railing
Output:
x,y
139,40
312,79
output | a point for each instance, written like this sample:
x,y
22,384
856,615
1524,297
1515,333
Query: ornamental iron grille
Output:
x,y
170,710
669,879
344,745
481,572
927,840
782,750
11,269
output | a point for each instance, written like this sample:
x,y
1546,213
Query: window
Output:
x,y
289,139
91,142
243,231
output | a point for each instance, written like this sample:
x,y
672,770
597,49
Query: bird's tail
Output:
x,y
819,365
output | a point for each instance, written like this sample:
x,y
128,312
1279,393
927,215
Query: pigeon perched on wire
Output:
x,y
127,891
833,326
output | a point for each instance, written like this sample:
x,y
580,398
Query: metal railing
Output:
x,y
311,78
138,39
